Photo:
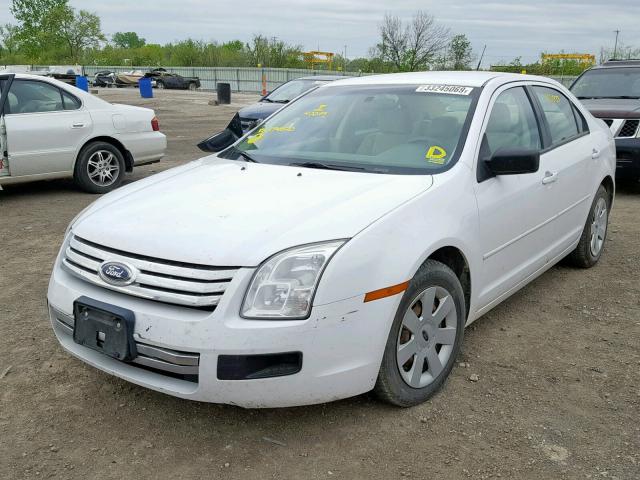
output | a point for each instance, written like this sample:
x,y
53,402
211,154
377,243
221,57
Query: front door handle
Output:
x,y
77,125
549,177
595,153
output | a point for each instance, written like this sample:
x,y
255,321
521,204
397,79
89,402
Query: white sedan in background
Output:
x,y
341,246
49,129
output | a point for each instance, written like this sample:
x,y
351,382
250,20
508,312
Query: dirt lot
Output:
x,y
558,394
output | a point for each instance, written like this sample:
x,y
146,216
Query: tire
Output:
x,y
193,87
94,162
594,234
160,85
437,284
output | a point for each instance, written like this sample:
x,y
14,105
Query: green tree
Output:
x,y
460,53
37,28
9,43
127,40
78,30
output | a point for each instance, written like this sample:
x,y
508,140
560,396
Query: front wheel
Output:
x,y
160,85
425,338
193,86
594,234
99,168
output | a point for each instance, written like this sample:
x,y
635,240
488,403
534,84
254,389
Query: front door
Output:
x,y
5,84
45,127
515,211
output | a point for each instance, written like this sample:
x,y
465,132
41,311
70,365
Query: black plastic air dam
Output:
x,y
250,367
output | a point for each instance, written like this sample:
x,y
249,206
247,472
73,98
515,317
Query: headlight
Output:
x,y
284,285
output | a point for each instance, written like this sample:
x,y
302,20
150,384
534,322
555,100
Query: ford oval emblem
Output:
x,y
117,273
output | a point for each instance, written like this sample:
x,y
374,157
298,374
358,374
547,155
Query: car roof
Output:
x,y
324,78
463,78
617,64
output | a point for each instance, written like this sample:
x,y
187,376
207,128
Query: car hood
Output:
x,y
613,107
260,110
231,213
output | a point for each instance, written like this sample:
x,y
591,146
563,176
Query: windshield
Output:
x,y
406,129
290,90
622,82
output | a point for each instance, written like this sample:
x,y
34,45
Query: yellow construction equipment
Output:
x,y
581,57
319,58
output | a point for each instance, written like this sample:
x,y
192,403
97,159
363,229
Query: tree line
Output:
x,y
49,32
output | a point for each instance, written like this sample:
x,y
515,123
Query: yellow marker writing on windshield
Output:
x,y
436,154
318,112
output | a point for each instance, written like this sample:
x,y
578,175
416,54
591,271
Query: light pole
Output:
x,y
615,47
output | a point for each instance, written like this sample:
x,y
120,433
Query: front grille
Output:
x,y
608,121
183,365
629,128
167,281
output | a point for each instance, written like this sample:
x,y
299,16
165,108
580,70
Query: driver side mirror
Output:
x,y
218,141
513,161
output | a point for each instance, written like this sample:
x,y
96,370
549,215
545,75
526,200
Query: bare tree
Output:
x,y
413,45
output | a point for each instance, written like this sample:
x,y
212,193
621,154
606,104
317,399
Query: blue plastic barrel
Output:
x,y
82,83
145,87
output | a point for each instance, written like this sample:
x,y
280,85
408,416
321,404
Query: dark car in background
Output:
x,y
611,92
165,79
251,115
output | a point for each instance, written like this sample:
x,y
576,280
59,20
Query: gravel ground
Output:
x,y
548,384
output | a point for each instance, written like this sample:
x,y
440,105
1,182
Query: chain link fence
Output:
x,y
241,79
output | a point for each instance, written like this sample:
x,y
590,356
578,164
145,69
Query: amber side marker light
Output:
x,y
386,292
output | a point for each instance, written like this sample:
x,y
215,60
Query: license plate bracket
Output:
x,y
105,328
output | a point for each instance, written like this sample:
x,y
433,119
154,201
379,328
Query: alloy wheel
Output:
x,y
103,168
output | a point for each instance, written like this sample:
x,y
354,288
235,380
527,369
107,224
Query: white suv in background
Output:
x,y
49,129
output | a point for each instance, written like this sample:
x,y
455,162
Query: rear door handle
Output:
x,y
77,125
549,177
595,153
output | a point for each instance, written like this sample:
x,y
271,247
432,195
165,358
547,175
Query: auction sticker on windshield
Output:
x,y
449,89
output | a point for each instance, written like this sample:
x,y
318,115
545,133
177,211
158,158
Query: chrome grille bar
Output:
x,y
160,280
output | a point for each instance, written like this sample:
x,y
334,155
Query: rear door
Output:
x,y
569,162
45,127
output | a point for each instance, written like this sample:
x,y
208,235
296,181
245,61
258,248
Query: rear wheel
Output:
x,y
591,244
100,168
425,338
160,85
193,86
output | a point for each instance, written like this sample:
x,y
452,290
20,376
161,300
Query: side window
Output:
x,y
512,123
32,96
583,126
559,113
70,102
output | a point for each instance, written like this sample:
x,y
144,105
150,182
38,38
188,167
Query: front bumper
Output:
x,y
628,158
342,344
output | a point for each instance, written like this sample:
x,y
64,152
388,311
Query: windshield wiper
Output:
x,y
246,156
265,99
325,166
281,101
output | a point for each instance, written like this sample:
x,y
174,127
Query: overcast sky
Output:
x,y
509,28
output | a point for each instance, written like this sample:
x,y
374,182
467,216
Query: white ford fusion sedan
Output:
x,y
342,245
50,129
